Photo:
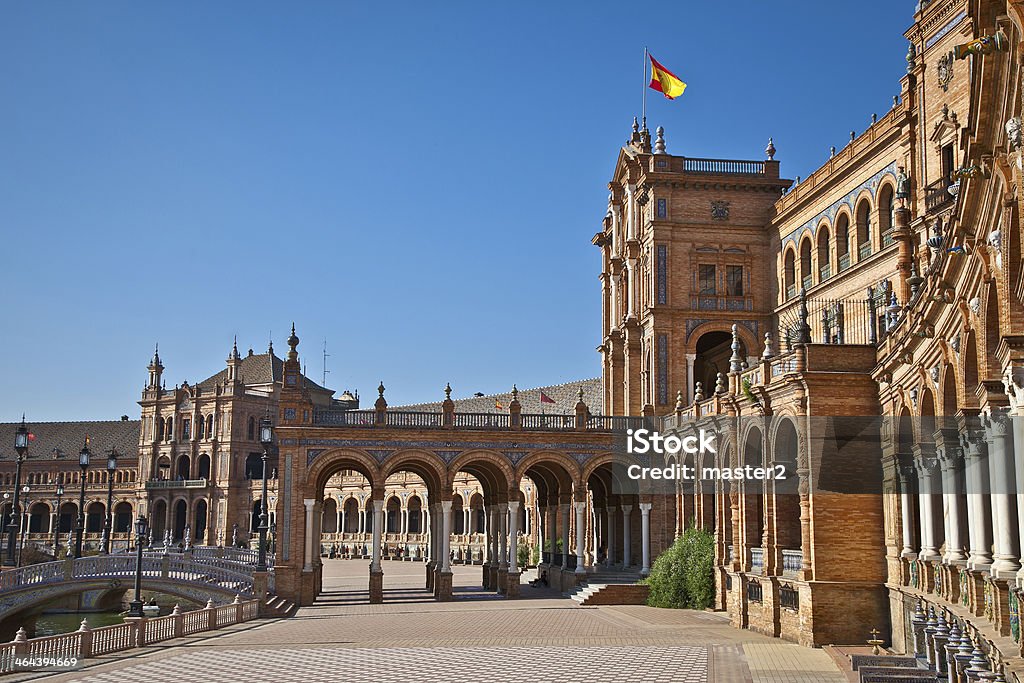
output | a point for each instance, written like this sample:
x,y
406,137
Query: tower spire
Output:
x,y
156,369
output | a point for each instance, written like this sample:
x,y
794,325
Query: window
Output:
x,y
201,427
186,429
734,280
170,429
706,279
662,208
252,428
947,162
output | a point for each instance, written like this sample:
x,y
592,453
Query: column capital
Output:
x,y
309,503
972,442
513,505
995,422
446,505
581,506
645,508
627,508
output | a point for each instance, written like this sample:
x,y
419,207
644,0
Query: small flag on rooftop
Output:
x,y
497,404
544,398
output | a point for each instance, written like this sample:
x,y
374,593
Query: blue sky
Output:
x,y
416,183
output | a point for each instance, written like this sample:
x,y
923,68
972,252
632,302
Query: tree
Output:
x,y
683,576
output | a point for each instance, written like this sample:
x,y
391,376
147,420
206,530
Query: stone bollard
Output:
x,y
84,640
140,629
939,640
929,642
237,602
919,621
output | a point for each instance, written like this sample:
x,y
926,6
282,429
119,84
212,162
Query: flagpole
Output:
x,y
644,108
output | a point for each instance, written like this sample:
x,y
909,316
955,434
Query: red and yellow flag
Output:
x,y
664,81
497,404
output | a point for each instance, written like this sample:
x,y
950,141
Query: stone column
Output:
x,y
978,503
581,538
362,521
443,583
906,474
1017,423
512,580
927,488
950,462
539,527
645,518
626,509
1002,477
492,571
564,510
502,547
307,565
376,572
610,526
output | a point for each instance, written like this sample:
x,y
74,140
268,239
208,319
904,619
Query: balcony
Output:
x,y
864,251
807,281
712,302
723,167
825,272
844,262
166,484
790,292
937,196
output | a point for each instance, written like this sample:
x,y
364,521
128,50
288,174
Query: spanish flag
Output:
x,y
497,405
664,81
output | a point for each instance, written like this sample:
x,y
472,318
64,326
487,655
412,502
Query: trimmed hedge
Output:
x,y
683,576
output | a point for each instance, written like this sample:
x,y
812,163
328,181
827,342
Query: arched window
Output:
x,y
843,242
184,467
252,429
122,518
824,254
204,466
160,425
863,230
806,279
209,426
201,427
886,214
170,429
790,274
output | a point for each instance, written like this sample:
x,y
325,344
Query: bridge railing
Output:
x,y
66,650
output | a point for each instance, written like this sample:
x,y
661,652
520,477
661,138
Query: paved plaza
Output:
x,y
477,638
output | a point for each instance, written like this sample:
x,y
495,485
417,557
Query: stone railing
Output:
x,y
792,562
67,650
757,560
723,166
161,484
483,421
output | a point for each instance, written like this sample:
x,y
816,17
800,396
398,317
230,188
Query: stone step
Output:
x,y
892,673
897,661
609,594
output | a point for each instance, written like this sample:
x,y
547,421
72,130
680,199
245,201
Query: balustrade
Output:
x,y
757,560
86,642
792,561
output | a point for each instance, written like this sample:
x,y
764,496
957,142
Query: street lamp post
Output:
x,y
266,438
109,522
25,522
83,462
56,523
135,606
21,439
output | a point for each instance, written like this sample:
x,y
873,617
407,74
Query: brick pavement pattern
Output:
x,y
474,638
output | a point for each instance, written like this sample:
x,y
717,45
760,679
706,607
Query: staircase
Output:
x,y
277,606
610,587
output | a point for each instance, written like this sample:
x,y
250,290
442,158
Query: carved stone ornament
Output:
x,y
955,343
945,71
720,210
1013,133
935,375
975,305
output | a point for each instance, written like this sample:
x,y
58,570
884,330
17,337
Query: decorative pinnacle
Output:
x,y
736,360
636,125
659,144
580,394
380,389
293,343
770,149
698,392
447,391
234,348
679,401
515,393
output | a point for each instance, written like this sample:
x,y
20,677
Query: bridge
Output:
x,y
207,573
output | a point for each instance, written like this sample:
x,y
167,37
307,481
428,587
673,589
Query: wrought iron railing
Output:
x,y
161,484
754,592
833,321
789,598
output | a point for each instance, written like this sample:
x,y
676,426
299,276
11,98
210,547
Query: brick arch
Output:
x,y
425,464
775,427
750,343
567,465
327,464
490,468
605,459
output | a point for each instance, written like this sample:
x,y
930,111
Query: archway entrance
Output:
x,y
713,351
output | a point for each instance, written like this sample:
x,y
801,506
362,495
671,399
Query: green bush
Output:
x,y
683,576
523,555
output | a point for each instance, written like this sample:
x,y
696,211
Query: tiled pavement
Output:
x,y
542,637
